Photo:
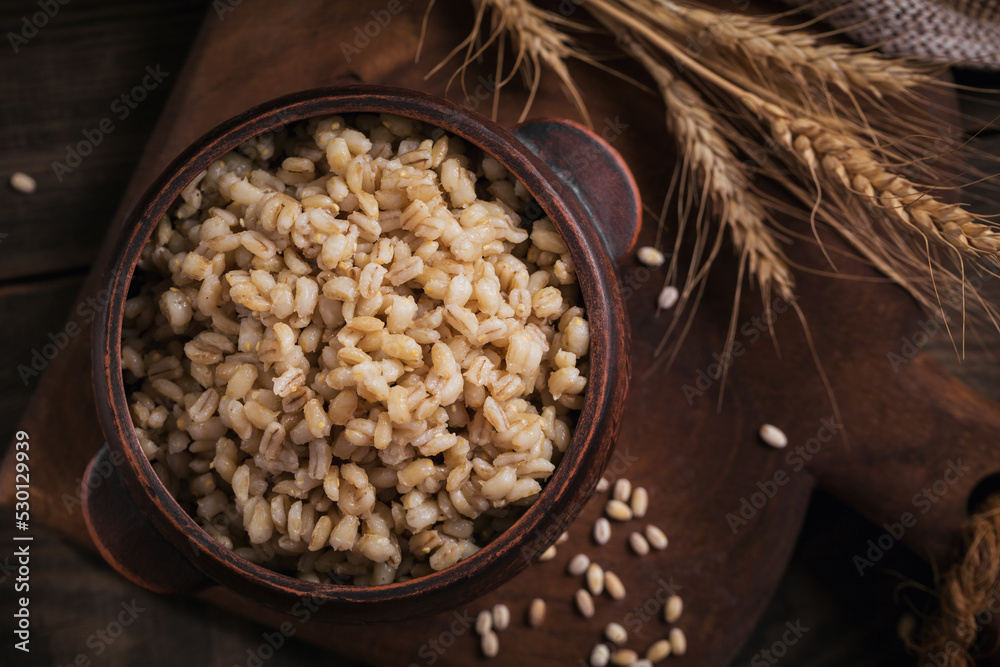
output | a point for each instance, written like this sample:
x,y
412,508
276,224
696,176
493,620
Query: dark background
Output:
x,y
63,82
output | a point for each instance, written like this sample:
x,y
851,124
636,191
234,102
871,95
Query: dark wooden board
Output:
x,y
24,335
71,215
74,596
687,490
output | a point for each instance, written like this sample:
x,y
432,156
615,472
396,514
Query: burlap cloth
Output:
x,y
961,32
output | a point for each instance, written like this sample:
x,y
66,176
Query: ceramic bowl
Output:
x,y
579,182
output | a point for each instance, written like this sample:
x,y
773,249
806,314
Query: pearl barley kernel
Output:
x,y
602,531
548,554
668,297
536,612
622,490
638,543
639,502
616,633
484,622
501,616
659,651
578,564
490,643
614,586
618,510
678,642
673,609
584,603
595,579
656,537
773,436
600,655
22,182
602,485
650,256
624,657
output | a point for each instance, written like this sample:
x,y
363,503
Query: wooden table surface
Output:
x,y
55,89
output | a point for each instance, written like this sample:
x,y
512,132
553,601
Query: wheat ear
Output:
x,y
844,160
700,138
768,45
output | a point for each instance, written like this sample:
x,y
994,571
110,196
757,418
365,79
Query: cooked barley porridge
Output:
x,y
351,354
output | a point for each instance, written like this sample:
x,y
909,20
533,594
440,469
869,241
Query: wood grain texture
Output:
x,y
75,595
976,361
69,91
30,312
679,474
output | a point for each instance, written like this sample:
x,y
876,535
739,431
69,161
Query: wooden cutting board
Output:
x,y
907,425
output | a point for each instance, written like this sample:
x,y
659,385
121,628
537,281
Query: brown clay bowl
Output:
x,y
578,181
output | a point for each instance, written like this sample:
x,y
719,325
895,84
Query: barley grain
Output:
x,y
616,633
668,297
614,586
548,554
650,256
673,609
602,485
618,510
578,564
584,603
602,531
656,537
678,642
600,655
639,502
774,436
595,579
536,612
490,644
659,651
622,490
624,657
638,543
484,622
22,182
501,616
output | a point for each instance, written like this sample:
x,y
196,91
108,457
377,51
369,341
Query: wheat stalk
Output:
x,y
710,160
699,136
825,107
914,207
840,158
766,45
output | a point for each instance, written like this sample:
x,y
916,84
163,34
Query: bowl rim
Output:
x,y
589,449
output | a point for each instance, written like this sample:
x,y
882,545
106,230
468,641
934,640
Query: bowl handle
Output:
x,y
595,173
126,538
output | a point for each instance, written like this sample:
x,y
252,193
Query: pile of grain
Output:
x,y
348,354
